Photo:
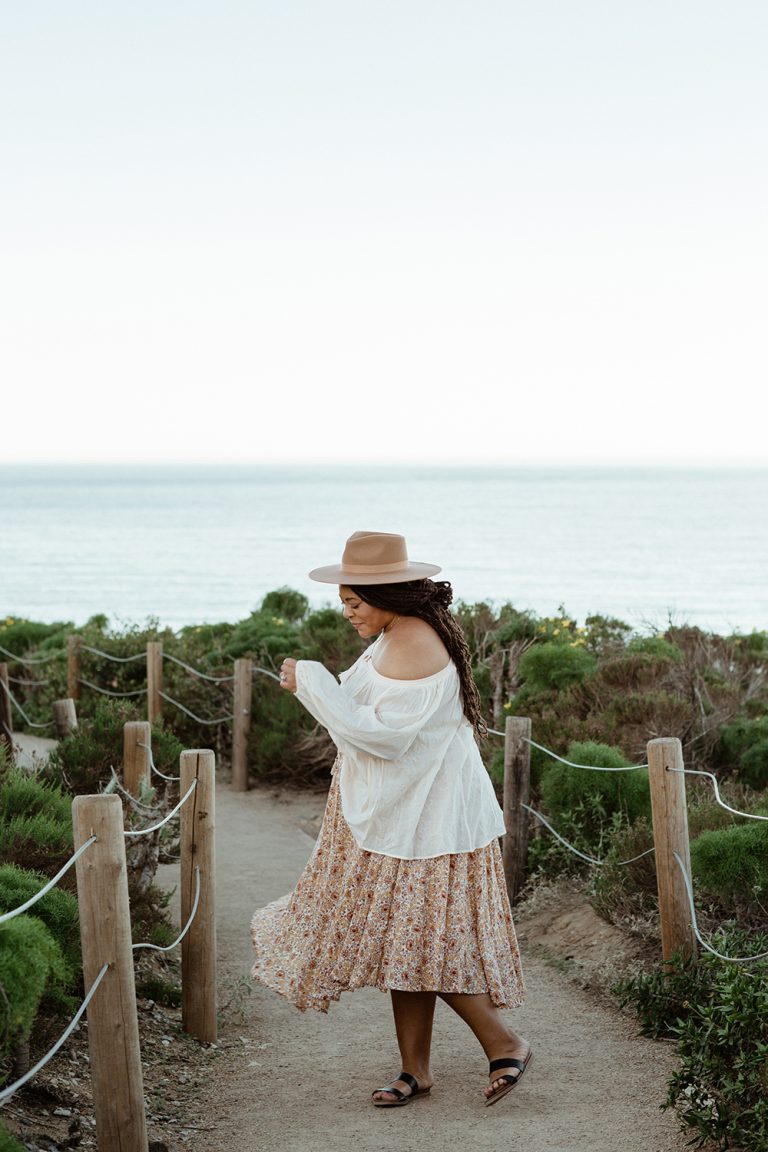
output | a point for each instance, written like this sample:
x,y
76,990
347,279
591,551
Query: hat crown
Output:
x,y
375,552
374,558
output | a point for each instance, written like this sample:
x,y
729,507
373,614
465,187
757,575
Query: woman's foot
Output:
x,y
405,1089
504,1077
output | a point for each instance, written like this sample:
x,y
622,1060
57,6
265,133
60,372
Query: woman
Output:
x,y
405,888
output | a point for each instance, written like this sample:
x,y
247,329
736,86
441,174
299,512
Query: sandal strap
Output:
x,y
506,1063
406,1078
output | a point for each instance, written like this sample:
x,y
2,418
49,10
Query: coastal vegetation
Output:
x,y
596,692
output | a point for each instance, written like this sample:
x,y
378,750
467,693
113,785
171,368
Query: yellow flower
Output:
x,y
9,619
507,706
555,631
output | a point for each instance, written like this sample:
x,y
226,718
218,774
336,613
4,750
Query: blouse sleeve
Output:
x,y
385,730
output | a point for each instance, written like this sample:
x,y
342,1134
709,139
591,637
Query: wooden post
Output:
x,y
105,929
670,834
6,719
154,680
136,766
198,948
517,786
64,717
242,724
73,667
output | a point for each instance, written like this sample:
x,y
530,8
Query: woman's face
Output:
x,y
366,620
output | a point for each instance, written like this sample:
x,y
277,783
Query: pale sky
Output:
x,y
481,230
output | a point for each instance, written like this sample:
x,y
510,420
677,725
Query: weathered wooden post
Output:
x,y
137,744
242,724
105,930
517,787
6,719
198,948
670,834
154,680
64,717
73,667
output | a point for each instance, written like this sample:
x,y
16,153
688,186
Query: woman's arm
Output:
x,y
385,732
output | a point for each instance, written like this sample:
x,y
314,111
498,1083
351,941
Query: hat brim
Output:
x,y
337,574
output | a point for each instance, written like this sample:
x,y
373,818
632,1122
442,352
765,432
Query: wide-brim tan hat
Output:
x,y
374,558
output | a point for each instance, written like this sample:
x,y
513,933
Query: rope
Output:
x,y
196,671
109,656
152,764
106,692
132,799
570,763
199,719
590,859
38,660
6,1093
29,683
266,672
18,707
695,926
187,926
155,827
721,802
51,884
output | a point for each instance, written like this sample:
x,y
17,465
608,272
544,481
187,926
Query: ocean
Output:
x,y
188,545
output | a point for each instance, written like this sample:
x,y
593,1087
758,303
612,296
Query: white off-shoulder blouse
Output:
x,y
412,781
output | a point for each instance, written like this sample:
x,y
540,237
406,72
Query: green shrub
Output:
x,y
30,961
732,863
717,1013
57,910
656,647
564,788
83,761
553,665
743,748
35,822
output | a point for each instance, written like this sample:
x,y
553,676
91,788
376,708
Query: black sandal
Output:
x,y
403,1097
508,1082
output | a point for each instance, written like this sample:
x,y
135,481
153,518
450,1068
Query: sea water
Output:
x,y
188,545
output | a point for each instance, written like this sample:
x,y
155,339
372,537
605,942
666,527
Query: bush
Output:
x,y
717,1013
743,748
564,789
83,761
553,665
35,822
732,863
30,961
57,910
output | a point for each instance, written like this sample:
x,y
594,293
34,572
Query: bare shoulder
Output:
x,y
412,650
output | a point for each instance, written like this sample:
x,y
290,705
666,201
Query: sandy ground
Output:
x,y
295,1082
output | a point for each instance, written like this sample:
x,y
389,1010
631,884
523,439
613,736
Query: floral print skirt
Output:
x,y
359,919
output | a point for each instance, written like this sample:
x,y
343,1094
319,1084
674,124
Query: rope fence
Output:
x,y
577,851
30,661
152,765
680,933
699,937
99,830
187,712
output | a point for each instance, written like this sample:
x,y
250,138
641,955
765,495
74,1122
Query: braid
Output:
x,y
430,601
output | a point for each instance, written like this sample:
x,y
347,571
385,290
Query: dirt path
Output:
x,y
299,1082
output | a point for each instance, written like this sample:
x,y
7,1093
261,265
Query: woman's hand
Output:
x,y
288,675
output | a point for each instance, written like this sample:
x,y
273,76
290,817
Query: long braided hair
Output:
x,y
430,600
